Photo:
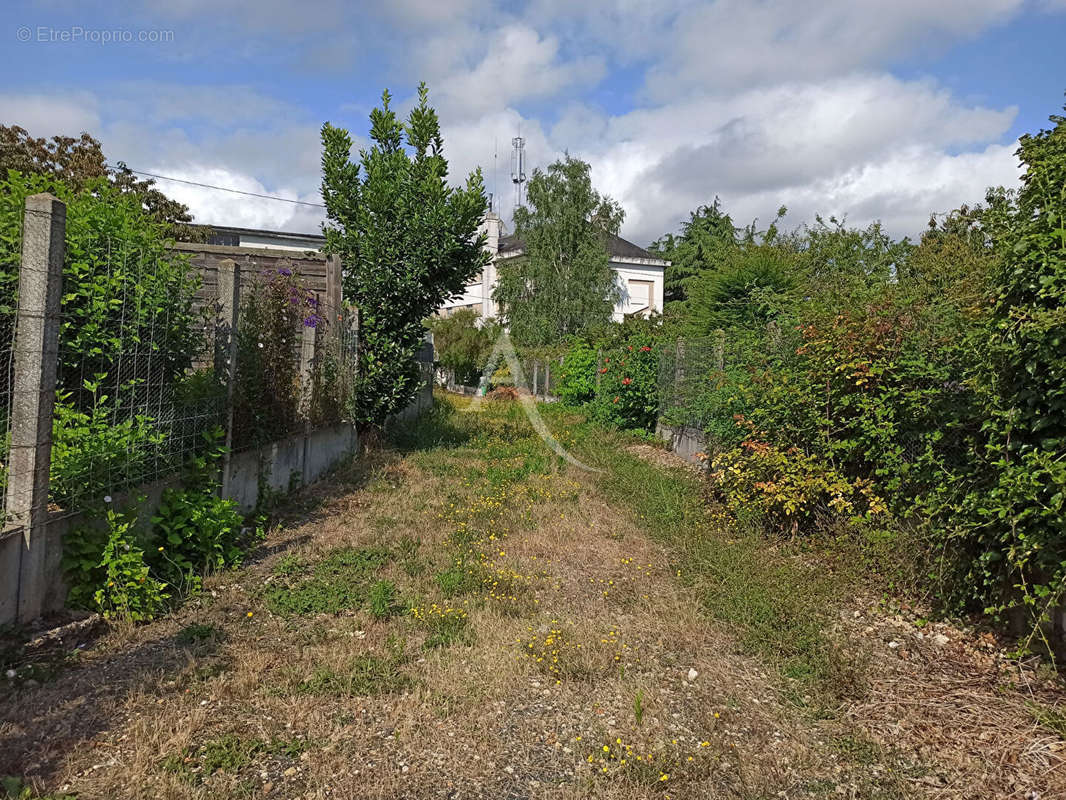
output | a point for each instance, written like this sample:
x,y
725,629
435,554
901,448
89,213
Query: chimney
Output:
x,y
488,272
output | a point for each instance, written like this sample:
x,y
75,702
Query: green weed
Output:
x,y
382,598
339,582
366,675
197,634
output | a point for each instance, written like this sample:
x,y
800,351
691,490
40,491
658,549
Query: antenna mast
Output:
x,y
518,168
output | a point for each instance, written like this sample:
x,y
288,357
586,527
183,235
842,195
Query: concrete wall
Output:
x,y
423,399
684,441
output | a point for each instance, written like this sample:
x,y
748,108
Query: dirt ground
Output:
x,y
464,618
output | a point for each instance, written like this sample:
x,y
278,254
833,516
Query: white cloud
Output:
x,y
518,64
47,115
733,44
817,147
226,208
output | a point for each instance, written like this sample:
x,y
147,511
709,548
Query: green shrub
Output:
x,y
101,450
124,291
577,379
199,532
787,489
462,343
627,395
109,573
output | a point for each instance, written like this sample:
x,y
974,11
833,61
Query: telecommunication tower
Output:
x,y
518,168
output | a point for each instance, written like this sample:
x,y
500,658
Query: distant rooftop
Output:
x,y
229,235
617,247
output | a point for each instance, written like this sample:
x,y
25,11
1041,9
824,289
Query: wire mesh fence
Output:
x,y
130,408
144,367
540,376
692,373
8,320
695,373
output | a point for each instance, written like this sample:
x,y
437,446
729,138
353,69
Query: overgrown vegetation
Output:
x,y
127,566
462,343
841,376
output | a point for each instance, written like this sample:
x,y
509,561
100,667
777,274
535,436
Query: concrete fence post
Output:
x,y
719,350
36,354
547,378
227,317
536,367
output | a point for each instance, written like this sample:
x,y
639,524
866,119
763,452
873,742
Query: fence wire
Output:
x,y
8,321
689,373
540,376
143,367
131,408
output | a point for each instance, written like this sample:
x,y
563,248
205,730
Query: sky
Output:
x,y
864,110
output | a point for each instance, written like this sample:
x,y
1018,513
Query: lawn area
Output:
x,y
463,614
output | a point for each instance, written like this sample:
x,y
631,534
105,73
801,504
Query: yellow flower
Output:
x,y
249,613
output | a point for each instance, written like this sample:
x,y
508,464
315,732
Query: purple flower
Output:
x,y
286,272
310,322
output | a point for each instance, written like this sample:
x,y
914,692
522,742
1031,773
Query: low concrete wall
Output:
x,y
687,442
278,467
287,464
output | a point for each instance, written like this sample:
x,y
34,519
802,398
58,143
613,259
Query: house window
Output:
x,y
641,296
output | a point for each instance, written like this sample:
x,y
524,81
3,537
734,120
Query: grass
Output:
x,y
459,580
1051,718
474,583
444,631
363,676
776,605
14,789
340,581
229,753
199,634
382,600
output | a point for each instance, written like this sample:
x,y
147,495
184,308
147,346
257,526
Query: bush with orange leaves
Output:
x,y
787,488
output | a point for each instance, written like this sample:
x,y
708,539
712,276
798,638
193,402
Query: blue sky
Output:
x,y
881,110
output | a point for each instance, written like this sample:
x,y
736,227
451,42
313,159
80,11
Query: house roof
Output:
x,y
226,232
617,247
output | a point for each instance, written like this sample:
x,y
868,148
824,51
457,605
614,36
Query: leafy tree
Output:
x,y
701,245
842,261
750,285
463,345
78,162
407,239
563,284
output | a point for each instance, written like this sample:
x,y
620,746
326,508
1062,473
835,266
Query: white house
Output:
x,y
638,272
